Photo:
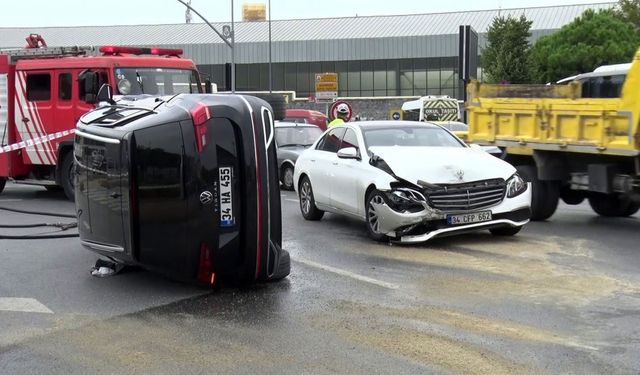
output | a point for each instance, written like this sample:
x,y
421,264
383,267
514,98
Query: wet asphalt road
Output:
x,y
561,297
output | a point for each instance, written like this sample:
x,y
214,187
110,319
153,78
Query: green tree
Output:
x,y
506,56
629,10
591,40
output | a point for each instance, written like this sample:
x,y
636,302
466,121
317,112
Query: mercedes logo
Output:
x,y
460,175
206,197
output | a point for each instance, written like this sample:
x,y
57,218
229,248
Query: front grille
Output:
x,y
467,196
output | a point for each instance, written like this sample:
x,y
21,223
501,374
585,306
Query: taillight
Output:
x,y
200,115
205,266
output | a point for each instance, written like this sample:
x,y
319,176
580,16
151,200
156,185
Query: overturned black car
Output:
x,y
186,186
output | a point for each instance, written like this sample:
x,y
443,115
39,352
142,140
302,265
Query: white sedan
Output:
x,y
409,182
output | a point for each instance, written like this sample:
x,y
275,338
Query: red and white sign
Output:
x,y
333,110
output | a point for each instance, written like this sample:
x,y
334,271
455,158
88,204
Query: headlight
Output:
x,y
515,186
124,86
405,199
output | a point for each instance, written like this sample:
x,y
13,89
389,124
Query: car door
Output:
x,y
34,115
321,165
346,175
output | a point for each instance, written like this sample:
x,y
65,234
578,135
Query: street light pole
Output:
x,y
233,53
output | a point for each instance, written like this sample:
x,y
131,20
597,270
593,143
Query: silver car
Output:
x,y
291,140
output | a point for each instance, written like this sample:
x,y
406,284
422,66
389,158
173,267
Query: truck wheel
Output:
x,y
3,182
571,197
66,176
611,205
277,103
632,209
544,194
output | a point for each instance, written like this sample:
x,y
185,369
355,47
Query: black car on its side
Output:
x,y
186,186
291,139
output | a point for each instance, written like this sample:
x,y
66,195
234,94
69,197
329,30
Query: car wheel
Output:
x,y
505,231
307,202
544,194
53,187
3,182
284,267
287,177
632,209
373,218
67,170
611,205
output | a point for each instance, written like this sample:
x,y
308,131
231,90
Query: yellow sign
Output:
x,y
326,86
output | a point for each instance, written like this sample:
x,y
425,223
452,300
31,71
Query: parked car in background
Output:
x,y
291,140
307,116
410,182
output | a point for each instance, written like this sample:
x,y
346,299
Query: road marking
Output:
x,y
291,200
10,200
346,273
23,305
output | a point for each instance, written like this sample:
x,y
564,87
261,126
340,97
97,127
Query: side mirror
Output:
x,y
88,81
207,86
348,153
105,94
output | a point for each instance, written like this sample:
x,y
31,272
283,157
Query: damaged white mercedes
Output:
x,y
410,182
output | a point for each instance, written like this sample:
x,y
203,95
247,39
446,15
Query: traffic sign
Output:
x,y
326,86
333,110
395,114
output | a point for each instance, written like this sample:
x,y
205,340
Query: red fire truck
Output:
x,y
44,91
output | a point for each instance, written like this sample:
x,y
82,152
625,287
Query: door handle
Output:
x,y
335,163
25,120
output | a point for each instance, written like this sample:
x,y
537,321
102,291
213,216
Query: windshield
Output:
x,y
156,81
410,136
297,135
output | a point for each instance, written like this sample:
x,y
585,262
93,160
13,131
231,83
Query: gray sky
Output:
x,y
22,13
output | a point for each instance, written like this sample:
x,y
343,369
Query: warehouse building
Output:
x,y
378,56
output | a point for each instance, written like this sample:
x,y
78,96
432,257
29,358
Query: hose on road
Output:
x,y
39,236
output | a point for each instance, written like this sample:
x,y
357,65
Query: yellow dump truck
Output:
x,y
572,142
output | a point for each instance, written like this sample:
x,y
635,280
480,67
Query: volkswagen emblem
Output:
x,y
206,197
460,174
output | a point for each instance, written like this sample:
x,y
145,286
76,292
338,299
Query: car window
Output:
x,y
332,140
297,135
410,136
350,139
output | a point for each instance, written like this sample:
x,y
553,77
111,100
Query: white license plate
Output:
x,y
225,177
476,217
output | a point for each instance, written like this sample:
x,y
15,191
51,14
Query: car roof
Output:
x,y
366,125
281,124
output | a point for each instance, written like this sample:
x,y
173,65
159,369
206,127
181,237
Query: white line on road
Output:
x,y
23,305
346,273
10,200
291,200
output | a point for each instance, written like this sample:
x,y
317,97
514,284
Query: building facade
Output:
x,y
381,56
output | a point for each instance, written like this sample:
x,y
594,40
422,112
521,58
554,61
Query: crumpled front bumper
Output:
x,y
510,212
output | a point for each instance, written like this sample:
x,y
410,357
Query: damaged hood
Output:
x,y
443,165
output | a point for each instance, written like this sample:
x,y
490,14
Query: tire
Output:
x,y
372,217
544,195
53,187
287,177
3,183
611,205
632,209
307,202
66,176
571,197
505,231
284,267
277,103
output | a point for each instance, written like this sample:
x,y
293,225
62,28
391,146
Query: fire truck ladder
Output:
x,y
45,52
